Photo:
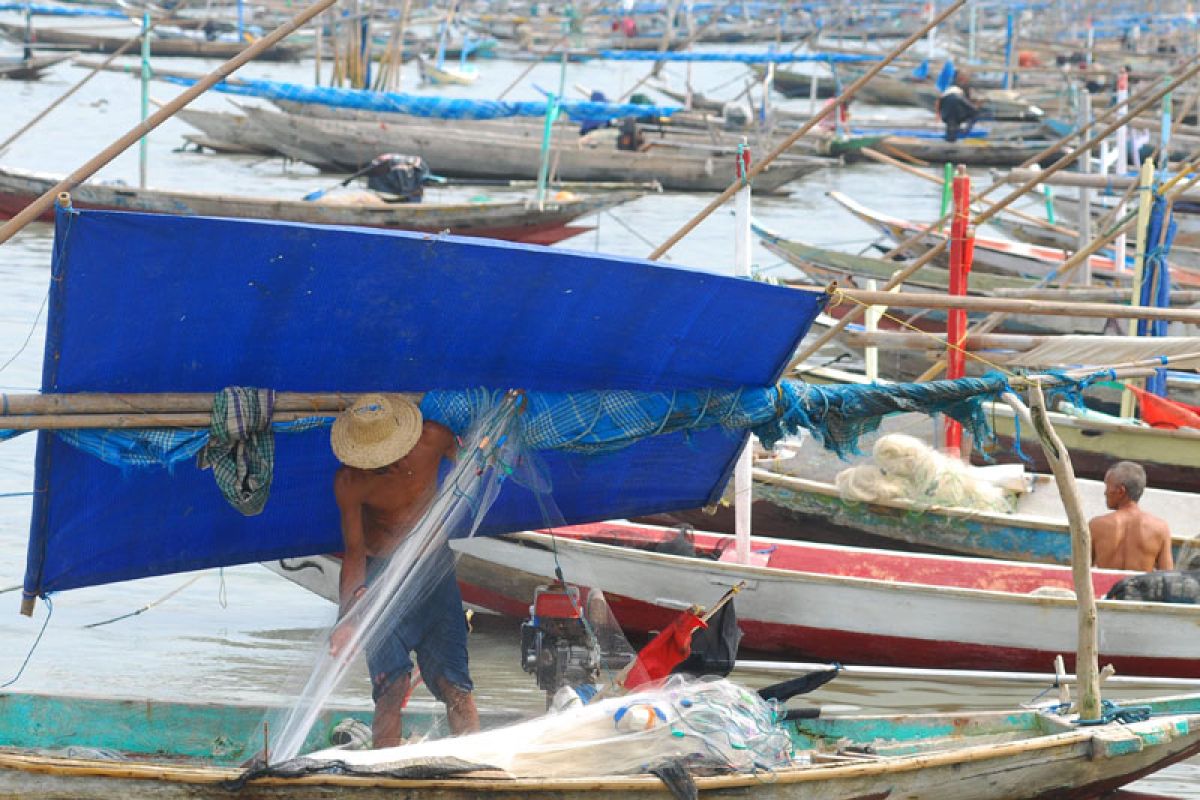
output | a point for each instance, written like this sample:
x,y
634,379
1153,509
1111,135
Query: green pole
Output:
x,y
142,145
552,106
947,184
1048,192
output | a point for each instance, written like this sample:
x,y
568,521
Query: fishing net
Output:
x,y
706,724
906,468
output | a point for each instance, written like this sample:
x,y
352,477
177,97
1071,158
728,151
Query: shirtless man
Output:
x,y
391,458
1129,538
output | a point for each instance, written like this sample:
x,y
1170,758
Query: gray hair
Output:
x,y
1129,475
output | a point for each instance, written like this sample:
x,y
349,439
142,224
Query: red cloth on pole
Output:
x,y
665,651
962,249
1159,412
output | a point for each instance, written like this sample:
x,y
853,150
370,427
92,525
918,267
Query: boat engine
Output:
x,y
555,644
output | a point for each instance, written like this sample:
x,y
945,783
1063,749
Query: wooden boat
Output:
x,y
793,84
823,601
995,254
1000,104
456,152
518,220
32,67
160,44
1035,531
830,602
446,76
226,132
938,756
973,152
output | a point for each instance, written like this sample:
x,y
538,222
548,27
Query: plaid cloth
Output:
x,y
241,447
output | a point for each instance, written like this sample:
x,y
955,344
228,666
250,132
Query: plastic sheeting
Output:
x,y
428,106
150,303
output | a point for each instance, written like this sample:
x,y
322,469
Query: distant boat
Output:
x,y
160,44
447,76
465,151
518,220
32,67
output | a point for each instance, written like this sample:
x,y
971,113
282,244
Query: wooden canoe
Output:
x,y
456,152
1018,754
519,221
973,152
854,605
31,68
227,131
160,45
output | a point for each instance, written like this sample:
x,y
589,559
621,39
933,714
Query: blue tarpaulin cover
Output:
x,y
149,303
428,106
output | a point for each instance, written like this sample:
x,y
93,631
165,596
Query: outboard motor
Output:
x,y
555,645
399,175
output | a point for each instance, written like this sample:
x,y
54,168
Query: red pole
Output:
x,y
962,250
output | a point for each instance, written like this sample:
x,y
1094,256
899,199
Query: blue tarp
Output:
x,y
1156,281
40,10
150,303
422,106
742,58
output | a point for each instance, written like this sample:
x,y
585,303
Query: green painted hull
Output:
x,y
181,750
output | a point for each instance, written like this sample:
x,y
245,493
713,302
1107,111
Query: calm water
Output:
x,y
244,634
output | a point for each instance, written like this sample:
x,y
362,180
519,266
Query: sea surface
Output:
x,y
244,634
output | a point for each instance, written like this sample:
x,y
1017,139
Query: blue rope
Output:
x,y
29,655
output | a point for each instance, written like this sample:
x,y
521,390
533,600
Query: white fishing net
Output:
x,y
906,468
708,723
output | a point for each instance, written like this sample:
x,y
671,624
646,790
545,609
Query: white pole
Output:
x,y
1085,194
871,354
972,31
931,39
812,93
143,145
743,493
1122,165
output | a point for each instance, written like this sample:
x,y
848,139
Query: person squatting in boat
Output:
x,y
1128,537
390,458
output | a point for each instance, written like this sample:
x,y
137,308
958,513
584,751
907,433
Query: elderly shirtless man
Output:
x,y
391,458
1128,537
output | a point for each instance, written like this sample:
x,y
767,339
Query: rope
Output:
x,y
148,606
32,329
36,642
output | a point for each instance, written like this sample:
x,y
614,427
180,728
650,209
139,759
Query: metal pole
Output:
x,y
1085,194
143,145
961,246
743,487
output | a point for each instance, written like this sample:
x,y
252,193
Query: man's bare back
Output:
x,y
1131,539
1128,537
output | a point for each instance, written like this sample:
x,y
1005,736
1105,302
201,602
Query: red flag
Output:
x,y
1160,412
665,651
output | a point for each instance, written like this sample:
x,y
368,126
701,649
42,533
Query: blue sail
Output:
x,y
150,303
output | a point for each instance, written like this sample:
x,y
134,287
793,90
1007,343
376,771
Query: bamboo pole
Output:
x,y
792,138
996,208
882,158
1068,266
100,403
1012,305
128,43
38,207
1086,663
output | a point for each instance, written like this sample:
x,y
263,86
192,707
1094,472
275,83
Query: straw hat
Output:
x,y
376,431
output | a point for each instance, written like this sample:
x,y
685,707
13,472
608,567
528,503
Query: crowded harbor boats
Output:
x,y
600,399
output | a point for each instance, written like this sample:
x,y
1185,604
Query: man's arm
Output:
x,y
352,582
1165,560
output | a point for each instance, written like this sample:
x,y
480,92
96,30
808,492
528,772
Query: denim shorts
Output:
x,y
434,627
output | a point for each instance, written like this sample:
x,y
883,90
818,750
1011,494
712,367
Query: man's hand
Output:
x,y
340,638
